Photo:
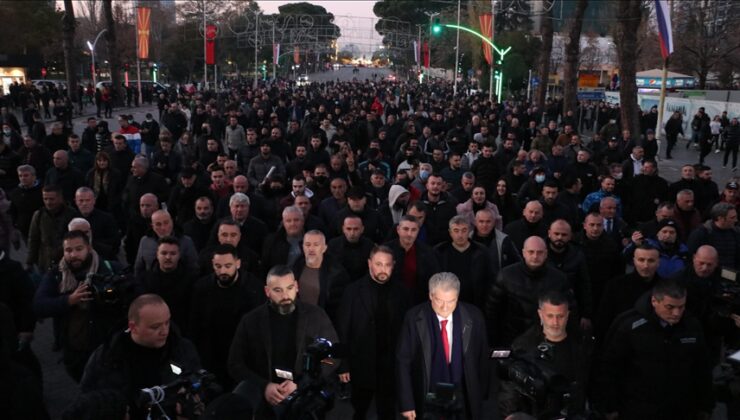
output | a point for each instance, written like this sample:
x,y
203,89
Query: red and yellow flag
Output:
x,y
143,21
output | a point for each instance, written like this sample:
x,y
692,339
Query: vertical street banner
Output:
x,y
485,26
143,23
416,52
427,60
297,55
275,54
665,32
211,32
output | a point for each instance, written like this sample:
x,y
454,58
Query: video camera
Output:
x,y
726,296
111,289
533,376
314,395
188,389
442,403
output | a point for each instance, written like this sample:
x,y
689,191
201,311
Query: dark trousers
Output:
x,y
731,147
385,402
705,147
672,139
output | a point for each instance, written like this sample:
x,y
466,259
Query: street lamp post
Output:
x,y
91,46
431,15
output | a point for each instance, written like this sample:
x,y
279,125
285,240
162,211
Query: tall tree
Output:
x,y
543,69
629,16
68,40
113,59
714,43
572,50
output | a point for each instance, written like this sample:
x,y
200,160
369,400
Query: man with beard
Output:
x,y
621,293
230,234
322,280
267,350
392,209
25,199
441,207
369,323
199,227
218,302
571,261
552,208
171,279
66,294
600,252
351,248
529,225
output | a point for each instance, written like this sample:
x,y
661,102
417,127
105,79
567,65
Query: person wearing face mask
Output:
x,y
532,188
219,300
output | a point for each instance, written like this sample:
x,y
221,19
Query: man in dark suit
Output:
x,y
443,342
267,350
368,323
415,260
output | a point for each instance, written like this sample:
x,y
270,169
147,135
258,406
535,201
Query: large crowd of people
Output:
x,y
417,229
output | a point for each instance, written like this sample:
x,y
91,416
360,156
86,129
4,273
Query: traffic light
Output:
x,y
436,27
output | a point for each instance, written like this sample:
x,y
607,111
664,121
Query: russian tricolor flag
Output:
x,y
665,33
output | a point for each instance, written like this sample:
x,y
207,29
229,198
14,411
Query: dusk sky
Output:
x,y
355,18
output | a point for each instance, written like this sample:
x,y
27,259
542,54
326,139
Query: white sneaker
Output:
x,y
716,151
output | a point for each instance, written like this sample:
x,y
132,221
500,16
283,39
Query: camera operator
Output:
x,y
568,354
702,279
141,356
655,363
66,294
267,351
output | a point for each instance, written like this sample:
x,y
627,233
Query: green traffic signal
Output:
x,y
437,27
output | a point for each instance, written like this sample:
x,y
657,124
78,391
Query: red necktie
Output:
x,y
445,340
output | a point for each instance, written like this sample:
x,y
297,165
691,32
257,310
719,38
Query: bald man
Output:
x,y
64,176
512,303
163,226
529,225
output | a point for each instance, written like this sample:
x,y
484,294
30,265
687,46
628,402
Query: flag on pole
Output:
x,y
665,32
427,59
485,25
275,53
211,33
416,52
143,20
296,56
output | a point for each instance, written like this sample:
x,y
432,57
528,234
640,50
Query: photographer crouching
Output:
x,y
86,311
545,375
135,362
